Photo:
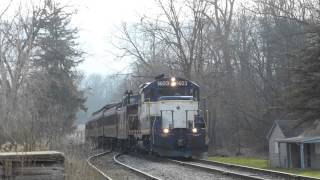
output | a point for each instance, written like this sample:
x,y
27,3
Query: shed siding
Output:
x,y
315,157
273,156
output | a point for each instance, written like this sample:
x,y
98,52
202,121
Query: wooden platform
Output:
x,y
36,165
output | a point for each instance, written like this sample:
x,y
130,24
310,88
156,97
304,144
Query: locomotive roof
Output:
x,y
106,107
153,84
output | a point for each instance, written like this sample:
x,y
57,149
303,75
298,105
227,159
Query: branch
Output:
x,y
6,9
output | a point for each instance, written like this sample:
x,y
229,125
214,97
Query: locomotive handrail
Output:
x,y
154,121
191,120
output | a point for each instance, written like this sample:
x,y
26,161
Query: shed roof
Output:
x,y
297,131
289,128
34,156
312,129
300,139
30,153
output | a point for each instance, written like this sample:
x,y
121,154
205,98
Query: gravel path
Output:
x,y
167,170
113,170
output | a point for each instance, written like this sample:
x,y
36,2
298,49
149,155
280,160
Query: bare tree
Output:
x,y
17,43
25,83
242,56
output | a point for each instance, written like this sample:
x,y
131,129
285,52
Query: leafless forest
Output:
x,y
256,61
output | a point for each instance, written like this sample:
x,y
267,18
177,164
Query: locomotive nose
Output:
x,y
181,142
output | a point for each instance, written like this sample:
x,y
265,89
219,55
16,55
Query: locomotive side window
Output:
x,y
134,99
149,95
195,94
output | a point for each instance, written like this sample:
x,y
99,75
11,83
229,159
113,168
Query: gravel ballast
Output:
x,y
167,170
114,170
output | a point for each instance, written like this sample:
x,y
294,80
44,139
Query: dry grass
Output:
x,y
76,167
263,164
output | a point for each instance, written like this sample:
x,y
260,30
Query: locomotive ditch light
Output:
x,y
166,130
173,84
194,130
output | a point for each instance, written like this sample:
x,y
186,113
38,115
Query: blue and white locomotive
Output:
x,y
163,118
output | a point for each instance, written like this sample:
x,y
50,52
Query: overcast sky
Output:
x,y
98,22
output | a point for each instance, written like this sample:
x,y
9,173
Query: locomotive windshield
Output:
x,y
180,91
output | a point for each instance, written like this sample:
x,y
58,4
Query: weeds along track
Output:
x,y
241,172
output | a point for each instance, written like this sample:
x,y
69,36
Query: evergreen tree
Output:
x,y
304,95
59,55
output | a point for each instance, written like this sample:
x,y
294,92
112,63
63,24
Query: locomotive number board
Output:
x,y
167,83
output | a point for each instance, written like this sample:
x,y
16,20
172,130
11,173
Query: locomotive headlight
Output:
x,y
166,130
194,130
173,82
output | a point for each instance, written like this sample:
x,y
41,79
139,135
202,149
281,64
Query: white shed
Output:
x,y
294,144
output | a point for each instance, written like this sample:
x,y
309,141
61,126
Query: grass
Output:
x,y
263,164
77,169
245,161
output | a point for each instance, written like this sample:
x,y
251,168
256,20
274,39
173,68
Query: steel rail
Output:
x,y
139,172
97,169
224,172
257,170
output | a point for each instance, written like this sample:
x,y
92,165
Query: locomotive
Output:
x,y
163,118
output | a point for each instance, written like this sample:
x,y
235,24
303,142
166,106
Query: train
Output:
x,y
163,118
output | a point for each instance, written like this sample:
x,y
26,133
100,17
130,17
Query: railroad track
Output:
x,y
237,175
214,172
139,173
146,175
242,172
257,170
228,170
166,169
95,167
